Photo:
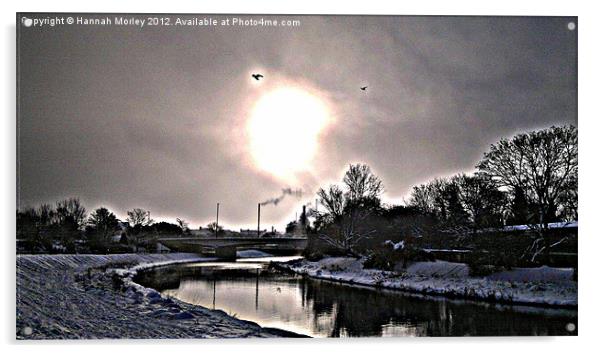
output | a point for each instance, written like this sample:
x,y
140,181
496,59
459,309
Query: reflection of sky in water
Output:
x,y
271,304
227,265
325,309
250,263
395,330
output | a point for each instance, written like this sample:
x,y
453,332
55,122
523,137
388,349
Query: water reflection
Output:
x,y
250,291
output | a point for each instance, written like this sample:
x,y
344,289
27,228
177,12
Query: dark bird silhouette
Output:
x,y
257,76
364,88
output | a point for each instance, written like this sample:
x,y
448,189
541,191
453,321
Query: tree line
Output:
x,y
66,227
529,179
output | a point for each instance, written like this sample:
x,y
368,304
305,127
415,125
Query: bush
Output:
x,y
313,254
380,260
386,256
481,270
317,248
483,263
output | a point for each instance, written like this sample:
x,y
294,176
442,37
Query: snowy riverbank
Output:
x,y
93,296
542,286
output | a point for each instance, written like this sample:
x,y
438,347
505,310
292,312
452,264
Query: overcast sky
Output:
x,y
154,117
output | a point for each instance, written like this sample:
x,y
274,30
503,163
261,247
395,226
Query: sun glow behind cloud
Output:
x,y
283,130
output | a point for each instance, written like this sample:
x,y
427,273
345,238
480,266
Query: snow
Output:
x,y
459,251
438,269
541,286
574,224
94,296
539,274
396,246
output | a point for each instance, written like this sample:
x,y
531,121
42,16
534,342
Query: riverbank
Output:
x,y
94,297
543,286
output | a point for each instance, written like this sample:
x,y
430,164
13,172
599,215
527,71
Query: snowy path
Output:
x,y
542,286
75,296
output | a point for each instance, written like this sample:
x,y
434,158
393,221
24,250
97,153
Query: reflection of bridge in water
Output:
x,y
226,247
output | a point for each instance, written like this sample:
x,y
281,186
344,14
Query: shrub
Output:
x,y
380,260
483,263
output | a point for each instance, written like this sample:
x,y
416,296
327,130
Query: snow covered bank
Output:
x,y
540,286
93,296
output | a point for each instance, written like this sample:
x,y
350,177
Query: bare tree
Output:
x,y
440,198
362,183
543,164
139,217
103,221
333,200
346,210
214,227
69,218
423,198
568,201
69,211
29,228
183,225
481,199
45,214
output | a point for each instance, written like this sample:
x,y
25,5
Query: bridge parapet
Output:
x,y
227,247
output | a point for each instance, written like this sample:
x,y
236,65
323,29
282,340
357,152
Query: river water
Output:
x,y
249,290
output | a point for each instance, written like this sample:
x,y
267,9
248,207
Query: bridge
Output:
x,y
226,247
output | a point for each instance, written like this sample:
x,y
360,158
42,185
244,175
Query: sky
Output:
x,y
169,119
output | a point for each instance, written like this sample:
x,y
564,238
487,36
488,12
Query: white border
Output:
x,y
589,136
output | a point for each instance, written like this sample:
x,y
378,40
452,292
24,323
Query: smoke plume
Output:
x,y
298,193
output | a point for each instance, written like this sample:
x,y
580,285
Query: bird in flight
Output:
x,y
257,76
364,88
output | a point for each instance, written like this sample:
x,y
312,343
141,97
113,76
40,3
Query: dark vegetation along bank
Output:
x,y
519,208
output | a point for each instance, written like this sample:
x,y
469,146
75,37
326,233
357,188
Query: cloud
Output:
x,y
140,118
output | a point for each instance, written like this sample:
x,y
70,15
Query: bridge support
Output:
x,y
226,252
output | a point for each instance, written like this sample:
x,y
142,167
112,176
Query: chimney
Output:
x,y
258,218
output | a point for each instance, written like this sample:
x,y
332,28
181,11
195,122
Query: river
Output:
x,y
249,290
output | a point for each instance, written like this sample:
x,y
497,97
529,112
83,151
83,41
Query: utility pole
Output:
x,y
217,220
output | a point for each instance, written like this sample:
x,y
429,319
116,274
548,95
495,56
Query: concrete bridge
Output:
x,y
226,247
